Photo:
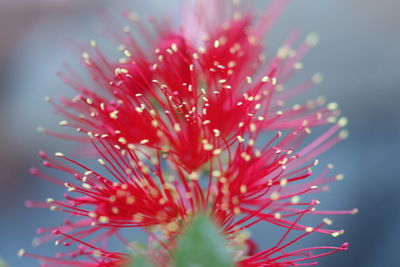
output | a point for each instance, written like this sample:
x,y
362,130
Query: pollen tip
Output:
x,y
345,246
34,171
343,122
339,177
337,233
327,221
21,252
36,242
332,106
265,79
317,78
309,229
28,203
104,219
343,134
40,129
312,39
63,123
93,43
354,211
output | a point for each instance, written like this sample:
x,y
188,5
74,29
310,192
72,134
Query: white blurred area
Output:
x,y
358,54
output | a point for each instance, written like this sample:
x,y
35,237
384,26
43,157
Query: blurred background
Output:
x,y
359,55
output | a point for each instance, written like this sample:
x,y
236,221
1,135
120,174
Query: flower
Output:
x,y
175,98
182,126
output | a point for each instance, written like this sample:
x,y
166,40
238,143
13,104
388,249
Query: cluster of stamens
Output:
x,y
186,129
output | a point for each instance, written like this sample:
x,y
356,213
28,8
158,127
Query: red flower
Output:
x,y
254,186
180,124
187,99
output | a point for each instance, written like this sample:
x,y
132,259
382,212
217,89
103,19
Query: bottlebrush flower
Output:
x,y
182,127
175,96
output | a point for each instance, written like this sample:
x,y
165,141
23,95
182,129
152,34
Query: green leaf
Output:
x,y
202,246
3,263
140,261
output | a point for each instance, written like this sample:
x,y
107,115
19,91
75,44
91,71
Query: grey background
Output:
x,y
358,54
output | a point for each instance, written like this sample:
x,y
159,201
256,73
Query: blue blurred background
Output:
x,y
359,55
